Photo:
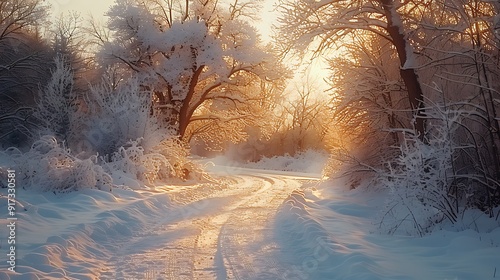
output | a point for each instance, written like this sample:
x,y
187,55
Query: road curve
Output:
x,y
211,234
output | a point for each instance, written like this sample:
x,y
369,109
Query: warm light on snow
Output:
x,y
228,230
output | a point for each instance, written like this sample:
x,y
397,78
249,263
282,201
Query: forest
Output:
x,y
411,106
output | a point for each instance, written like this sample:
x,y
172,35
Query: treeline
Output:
x,y
134,95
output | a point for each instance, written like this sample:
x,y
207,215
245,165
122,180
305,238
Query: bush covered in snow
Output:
x,y
427,180
169,159
49,166
118,115
418,182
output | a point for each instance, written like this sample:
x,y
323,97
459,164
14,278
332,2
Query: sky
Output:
x,y
98,9
95,7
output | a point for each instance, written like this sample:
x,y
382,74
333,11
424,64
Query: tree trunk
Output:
x,y
408,74
187,110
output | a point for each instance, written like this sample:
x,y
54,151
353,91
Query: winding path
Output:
x,y
211,234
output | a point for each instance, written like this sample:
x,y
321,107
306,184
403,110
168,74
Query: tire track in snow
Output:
x,y
207,264
218,234
165,249
247,251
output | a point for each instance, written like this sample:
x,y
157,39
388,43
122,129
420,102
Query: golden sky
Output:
x,y
98,9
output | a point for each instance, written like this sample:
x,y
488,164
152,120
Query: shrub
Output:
x,y
49,166
421,177
418,183
118,115
169,160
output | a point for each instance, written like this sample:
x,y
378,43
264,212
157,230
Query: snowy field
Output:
x,y
250,223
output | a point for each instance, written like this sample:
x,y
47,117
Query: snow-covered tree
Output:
x,y
57,101
455,51
115,116
369,100
187,54
323,25
252,115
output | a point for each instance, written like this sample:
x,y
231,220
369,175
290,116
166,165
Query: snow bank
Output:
x,y
329,232
70,236
310,162
307,162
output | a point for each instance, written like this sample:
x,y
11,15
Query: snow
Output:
x,y
68,235
249,223
309,162
332,235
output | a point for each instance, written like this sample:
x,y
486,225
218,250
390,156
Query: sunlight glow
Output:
x,y
96,8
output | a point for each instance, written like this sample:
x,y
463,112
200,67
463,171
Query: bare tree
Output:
x,y
24,59
18,16
308,122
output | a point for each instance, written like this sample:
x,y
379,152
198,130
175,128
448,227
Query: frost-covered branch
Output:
x,y
56,103
184,61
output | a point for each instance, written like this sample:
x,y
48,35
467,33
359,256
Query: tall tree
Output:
x,y
187,53
307,23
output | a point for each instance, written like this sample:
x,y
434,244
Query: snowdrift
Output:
x,y
329,232
69,236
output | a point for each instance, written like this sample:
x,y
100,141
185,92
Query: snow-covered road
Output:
x,y
221,234
248,224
